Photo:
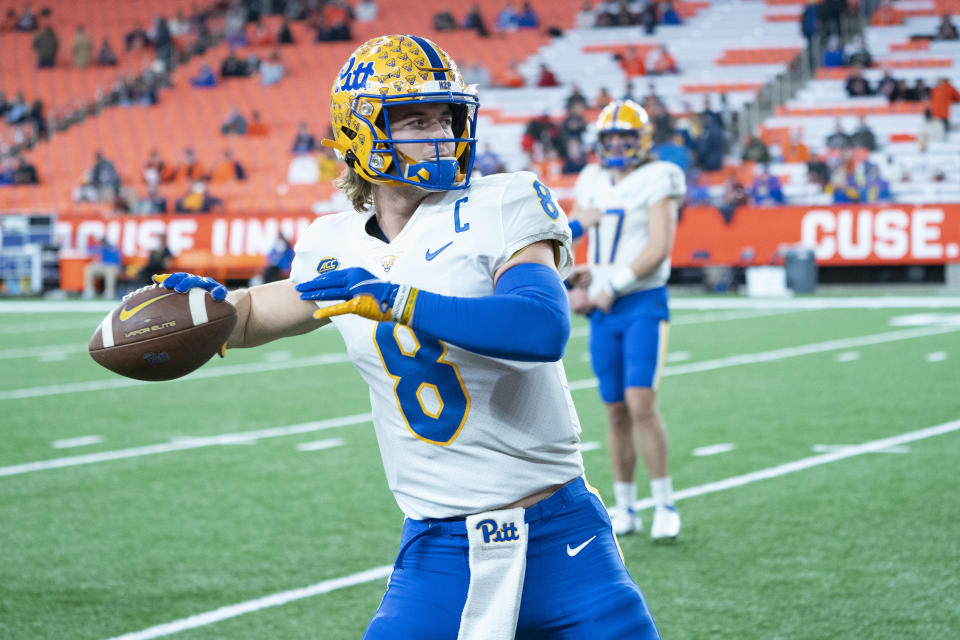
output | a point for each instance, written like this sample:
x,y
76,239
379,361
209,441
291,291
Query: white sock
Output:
x,y
662,491
625,493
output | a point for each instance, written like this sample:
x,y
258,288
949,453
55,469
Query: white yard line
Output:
x,y
703,318
35,327
182,444
576,385
335,358
853,302
936,356
592,445
79,441
44,351
377,573
318,445
714,449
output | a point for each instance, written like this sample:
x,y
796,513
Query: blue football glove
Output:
x,y
364,294
182,282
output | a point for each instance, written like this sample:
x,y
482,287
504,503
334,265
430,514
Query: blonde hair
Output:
x,y
358,191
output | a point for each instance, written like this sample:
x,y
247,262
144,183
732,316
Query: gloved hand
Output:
x,y
182,282
365,295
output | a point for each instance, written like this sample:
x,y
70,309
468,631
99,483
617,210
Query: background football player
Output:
x,y
636,201
449,297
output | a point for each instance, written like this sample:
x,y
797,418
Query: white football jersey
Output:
x,y
622,232
459,433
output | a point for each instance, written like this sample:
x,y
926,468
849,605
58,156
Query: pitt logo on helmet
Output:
x,y
394,70
328,264
623,134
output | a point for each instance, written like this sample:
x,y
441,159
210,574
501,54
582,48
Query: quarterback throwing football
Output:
x,y
449,296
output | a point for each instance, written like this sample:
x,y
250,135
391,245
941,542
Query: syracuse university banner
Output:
x,y
839,235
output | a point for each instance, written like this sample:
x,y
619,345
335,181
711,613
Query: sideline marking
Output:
x,y
80,441
336,358
317,445
936,356
283,597
592,445
848,356
714,449
236,438
181,444
828,448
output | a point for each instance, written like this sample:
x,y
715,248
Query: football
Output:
x,y
159,334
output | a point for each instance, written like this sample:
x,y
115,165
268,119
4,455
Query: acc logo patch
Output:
x,y
328,264
387,262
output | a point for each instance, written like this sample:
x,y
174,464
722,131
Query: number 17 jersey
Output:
x,y
459,433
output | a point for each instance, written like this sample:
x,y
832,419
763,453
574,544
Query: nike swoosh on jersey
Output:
x,y
433,254
126,314
572,551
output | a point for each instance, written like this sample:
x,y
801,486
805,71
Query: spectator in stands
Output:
x,y
304,142
257,128
857,53
794,150
444,21
628,91
285,35
527,18
875,188
710,147
17,110
488,162
574,124
7,171
668,13
46,43
659,61
189,170
152,203
887,85
649,18
163,42
631,62
818,172
918,92
886,15
546,78
809,21
365,11
105,263
755,150
709,114
82,48
235,123
833,54
901,92
603,99
198,200
932,130
476,73
106,57
272,71
27,20
260,36
9,22
279,259
136,39
510,77
104,177
863,137
941,97
840,189
179,26
857,85
233,66
575,158
204,78
673,150
586,17
234,24
37,120
228,170
946,30
576,97
766,189
25,172
838,139
474,20
159,258
156,170
507,18
734,195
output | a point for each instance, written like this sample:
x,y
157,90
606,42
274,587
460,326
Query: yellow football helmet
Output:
x,y
393,70
623,116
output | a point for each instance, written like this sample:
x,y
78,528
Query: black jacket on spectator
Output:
x,y
864,138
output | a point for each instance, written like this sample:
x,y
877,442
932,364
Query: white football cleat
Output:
x,y
666,523
625,520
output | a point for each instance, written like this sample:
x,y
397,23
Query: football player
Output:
x,y
636,200
449,296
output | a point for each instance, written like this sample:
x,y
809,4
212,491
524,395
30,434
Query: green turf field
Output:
x,y
193,495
